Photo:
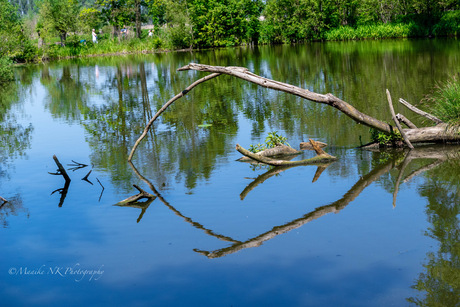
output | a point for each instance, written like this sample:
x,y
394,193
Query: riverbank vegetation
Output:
x,y
34,30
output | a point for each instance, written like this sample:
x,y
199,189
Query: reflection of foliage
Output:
x,y
11,208
441,280
14,138
67,96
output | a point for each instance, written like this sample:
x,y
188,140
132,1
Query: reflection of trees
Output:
x,y
67,95
12,207
440,281
14,141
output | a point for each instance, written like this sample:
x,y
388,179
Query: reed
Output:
x,y
444,102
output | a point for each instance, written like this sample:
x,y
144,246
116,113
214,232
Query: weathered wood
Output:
x,y
61,169
420,112
405,121
165,106
279,150
317,148
321,158
3,200
393,115
133,199
329,99
308,146
418,135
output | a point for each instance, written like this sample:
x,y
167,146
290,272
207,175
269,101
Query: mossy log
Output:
x,y
322,157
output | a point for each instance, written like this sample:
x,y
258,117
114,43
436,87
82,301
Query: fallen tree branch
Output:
x,y
393,115
320,158
133,199
61,170
165,106
3,200
420,112
441,133
329,99
279,150
308,146
405,121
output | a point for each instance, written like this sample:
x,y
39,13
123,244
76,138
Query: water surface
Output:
x,y
374,229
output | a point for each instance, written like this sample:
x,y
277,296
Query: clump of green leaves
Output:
x,y
6,72
272,140
385,139
445,101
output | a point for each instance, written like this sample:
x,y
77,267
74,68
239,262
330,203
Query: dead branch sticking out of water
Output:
x,y
61,171
396,121
3,200
134,199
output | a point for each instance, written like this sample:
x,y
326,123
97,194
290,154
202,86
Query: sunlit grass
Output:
x,y
445,101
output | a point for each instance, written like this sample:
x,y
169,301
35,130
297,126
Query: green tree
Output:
x,y
116,13
58,17
90,18
11,34
224,22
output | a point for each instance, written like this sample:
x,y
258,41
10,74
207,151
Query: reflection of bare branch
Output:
x,y
273,172
133,202
335,207
63,191
319,171
261,178
86,177
401,171
178,213
100,196
422,170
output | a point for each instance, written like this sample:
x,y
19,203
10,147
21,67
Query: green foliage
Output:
x,y
90,18
444,102
6,73
449,24
224,22
272,140
385,139
58,17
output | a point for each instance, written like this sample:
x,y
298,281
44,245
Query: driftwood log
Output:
x,y
436,134
279,150
322,157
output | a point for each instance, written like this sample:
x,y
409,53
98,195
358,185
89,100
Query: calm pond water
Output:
x,y
222,232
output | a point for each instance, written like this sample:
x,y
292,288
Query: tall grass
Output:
x,y
444,102
77,46
377,31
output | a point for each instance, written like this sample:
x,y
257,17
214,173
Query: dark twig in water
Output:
x,y
76,165
86,177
